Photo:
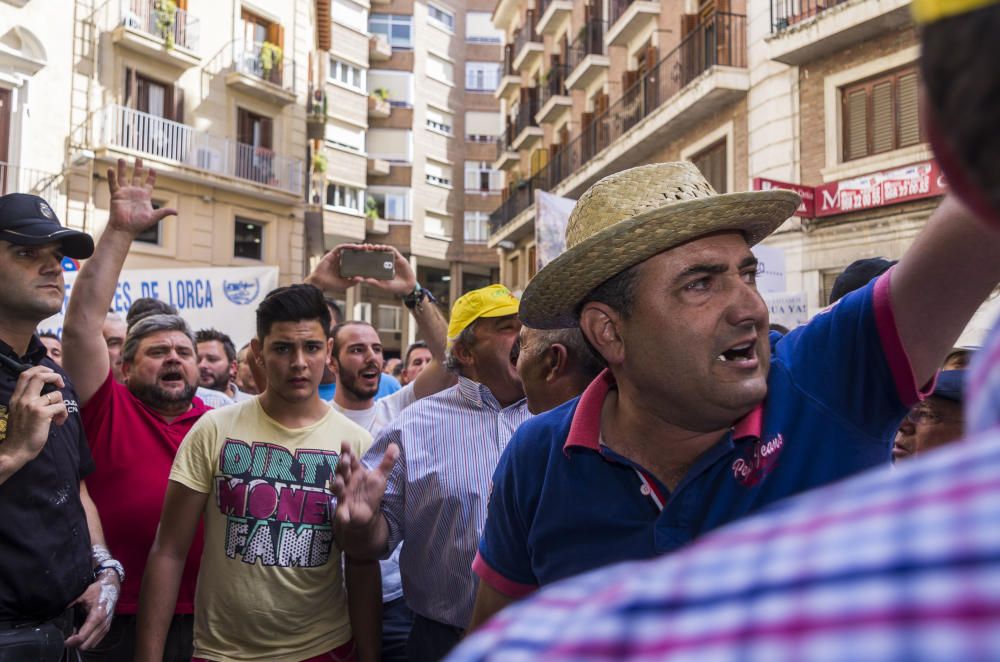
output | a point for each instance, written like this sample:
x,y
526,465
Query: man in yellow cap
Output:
x,y
434,497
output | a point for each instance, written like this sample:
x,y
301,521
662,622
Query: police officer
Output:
x,y
58,582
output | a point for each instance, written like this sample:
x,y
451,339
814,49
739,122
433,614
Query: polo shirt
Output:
x,y
133,449
44,539
563,503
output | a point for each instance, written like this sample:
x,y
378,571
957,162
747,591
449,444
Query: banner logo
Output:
x,y
241,292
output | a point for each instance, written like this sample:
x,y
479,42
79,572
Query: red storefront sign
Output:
x,y
889,187
807,193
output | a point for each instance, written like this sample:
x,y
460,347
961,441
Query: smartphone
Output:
x,y
15,368
379,265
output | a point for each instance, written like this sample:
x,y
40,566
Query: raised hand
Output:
x,y
326,275
132,199
359,492
404,282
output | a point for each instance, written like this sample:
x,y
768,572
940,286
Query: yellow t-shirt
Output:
x,y
270,585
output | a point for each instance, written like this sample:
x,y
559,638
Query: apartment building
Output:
x,y
211,95
409,141
814,95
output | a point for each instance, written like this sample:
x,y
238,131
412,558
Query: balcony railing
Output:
x,y
527,33
589,41
175,27
505,140
15,179
618,9
508,61
526,111
554,85
125,128
720,40
250,60
785,13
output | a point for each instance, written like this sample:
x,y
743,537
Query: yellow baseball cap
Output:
x,y
930,11
489,301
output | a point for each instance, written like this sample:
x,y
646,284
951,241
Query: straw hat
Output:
x,y
633,215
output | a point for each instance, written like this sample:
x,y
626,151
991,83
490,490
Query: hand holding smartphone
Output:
x,y
379,265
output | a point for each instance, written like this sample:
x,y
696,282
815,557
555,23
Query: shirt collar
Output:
x,y
480,396
36,351
585,429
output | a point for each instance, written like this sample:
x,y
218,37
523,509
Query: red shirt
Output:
x,y
133,449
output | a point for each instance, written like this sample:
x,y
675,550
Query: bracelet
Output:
x,y
418,294
110,564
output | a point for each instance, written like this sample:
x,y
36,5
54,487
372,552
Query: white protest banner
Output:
x,y
771,262
224,298
789,309
551,215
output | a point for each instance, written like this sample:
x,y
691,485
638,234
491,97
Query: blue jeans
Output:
x,y
397,619
431,640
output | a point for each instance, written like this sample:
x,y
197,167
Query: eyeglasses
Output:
x,y
923,415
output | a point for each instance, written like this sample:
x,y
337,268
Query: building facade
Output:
x,y
815,96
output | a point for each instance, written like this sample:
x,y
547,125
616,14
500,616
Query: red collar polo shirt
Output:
x,y
563,503
133,450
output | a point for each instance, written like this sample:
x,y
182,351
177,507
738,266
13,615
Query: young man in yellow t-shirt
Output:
x,y
270,585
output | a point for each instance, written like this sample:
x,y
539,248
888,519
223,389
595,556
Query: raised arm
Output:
x,y
944,277
85,353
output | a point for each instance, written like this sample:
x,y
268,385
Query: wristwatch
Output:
x,y
110,564
416,296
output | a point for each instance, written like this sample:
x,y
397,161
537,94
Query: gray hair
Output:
x,y
580,357
150,325
467,338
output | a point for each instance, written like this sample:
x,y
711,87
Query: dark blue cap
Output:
x,y
858,274
950,385
27,220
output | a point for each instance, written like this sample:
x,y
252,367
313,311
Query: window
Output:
x,y
399,85
394,145
477,227
479,28
514,266
345,198
482,127
398,30
440,68
389,318
346,136
153,235
153,97
437,225
438,172
441,17
253,129
482,76
712,164
439,120
348,74
393,204
248,240
880,115
479,176
254,158
350,14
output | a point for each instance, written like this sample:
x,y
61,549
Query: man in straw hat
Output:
x,y
701,418
435,496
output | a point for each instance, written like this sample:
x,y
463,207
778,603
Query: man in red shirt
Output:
x,y
134,428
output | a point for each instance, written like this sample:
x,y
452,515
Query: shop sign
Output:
x,y
807,193
890,187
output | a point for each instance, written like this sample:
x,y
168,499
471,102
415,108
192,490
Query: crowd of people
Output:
x,y
167,496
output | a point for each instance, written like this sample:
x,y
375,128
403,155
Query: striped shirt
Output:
x,y
892,565
437,493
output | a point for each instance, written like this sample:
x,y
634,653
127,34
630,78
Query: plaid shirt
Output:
x,y
897,564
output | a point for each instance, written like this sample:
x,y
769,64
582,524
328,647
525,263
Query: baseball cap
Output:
x,y
27,220
489,301
950,385
858,274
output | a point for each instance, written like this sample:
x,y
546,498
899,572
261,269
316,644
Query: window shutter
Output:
x,y
883,124
129,87
266,132
178,105
908,114
855,124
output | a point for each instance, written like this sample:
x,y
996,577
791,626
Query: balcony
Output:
x,y
378,108
256,72
554,99
527,133
169,36
553,14
510,79
804,30
15,179
588,58
133,132
628,19
378,167
528,46
506,157
703,74
379,49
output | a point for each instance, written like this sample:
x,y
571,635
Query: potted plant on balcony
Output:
x,y
381,93
319,163
270,58
371,209
165,12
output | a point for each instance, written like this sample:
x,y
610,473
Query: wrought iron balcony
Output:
x,y
175,27
785,13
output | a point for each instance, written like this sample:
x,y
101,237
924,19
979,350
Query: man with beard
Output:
x,y
217,364
435,497
135,428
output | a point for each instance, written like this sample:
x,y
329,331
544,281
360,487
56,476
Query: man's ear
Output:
x,y
463,354
602,327
556,362
255,351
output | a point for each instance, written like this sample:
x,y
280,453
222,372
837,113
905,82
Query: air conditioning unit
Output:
x,y
130,20
362,313
209,159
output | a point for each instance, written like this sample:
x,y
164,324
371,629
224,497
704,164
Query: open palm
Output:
x,y
132,199
359,490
